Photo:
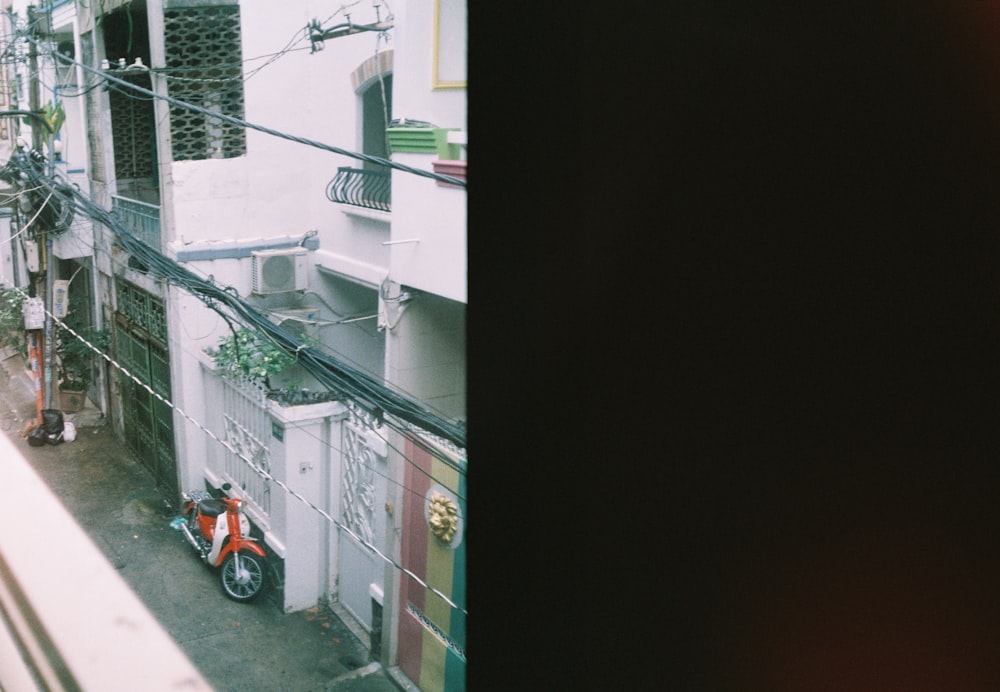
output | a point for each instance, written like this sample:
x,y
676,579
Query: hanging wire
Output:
x,y
457,467
254,467
266,130
374,395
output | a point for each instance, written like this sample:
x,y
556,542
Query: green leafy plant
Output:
x,y
249,355
12,333
245,353
75,356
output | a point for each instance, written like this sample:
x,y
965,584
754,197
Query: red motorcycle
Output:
x,y
220,531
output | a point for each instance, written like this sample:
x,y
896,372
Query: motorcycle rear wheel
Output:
x,y
246,585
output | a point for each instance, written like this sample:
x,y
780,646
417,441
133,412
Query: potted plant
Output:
x,y
73,372
75,356
247,354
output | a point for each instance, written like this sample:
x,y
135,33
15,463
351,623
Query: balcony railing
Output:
x,y
142,218
360,188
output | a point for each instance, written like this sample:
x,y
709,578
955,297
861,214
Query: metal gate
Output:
x,y
148,422
363,489
247,432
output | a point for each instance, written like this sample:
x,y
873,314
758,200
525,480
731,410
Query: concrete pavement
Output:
x,y
235,646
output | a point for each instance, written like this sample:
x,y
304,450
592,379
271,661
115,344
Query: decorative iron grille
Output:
x,y
142,309
132,128
360,188
359,480
247,427
204,67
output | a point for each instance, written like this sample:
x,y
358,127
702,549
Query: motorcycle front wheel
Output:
x,y
243,584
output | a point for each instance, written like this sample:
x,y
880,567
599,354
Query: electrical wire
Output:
x,y
403,456
261,472
40,209
288,47
54,191
116,261
213,296
458,468
266,130
379,398
176,344
254,467
173,73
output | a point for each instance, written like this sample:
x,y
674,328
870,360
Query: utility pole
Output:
x,y
45,286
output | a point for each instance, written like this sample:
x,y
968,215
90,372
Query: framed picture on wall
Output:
x,y
449,44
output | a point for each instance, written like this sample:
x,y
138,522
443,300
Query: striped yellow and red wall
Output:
x,y
431,631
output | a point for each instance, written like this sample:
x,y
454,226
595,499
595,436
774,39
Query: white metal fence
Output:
x,y
247,430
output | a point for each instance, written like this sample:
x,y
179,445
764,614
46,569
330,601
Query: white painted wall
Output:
x,y
422,209
426,350
193,328
428,354
306,462
436,216
278,188
414,95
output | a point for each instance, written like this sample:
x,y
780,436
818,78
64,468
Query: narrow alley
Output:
x,y
235,646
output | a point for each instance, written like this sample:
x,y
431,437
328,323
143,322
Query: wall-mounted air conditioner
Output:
x,y
279,271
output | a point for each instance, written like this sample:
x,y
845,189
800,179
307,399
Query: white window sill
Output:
x,y
363,213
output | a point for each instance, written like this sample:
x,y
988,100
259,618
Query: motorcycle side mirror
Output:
x,y
226,486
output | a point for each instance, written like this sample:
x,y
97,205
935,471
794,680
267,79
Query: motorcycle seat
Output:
x,y
211,508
